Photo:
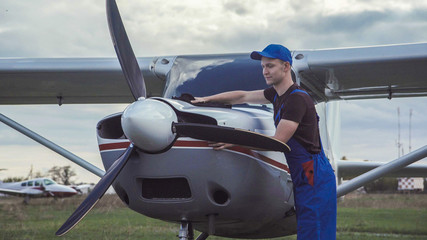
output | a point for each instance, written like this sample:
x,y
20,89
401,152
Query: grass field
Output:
x,y
371,216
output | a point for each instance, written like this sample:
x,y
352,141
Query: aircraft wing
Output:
x,y
332,74
363,73
348,169
73,80
30,192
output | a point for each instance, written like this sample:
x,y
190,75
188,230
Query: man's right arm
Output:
x,y
235,97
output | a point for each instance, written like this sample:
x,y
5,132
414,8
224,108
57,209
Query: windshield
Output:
x,y
48,182
207,75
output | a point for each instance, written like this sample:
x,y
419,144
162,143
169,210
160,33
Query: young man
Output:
x,y
296,123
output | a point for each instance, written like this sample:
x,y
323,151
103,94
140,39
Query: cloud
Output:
x,y
236,7
357,28
189,27
62,28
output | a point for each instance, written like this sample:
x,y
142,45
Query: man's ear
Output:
x,y
285,65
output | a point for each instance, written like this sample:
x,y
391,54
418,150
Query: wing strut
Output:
x,y
378,172
52,146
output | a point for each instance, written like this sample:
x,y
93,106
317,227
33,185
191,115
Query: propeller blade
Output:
x,y
96,194
124,51
242,137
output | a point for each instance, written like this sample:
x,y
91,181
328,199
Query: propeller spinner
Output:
x,y
148,124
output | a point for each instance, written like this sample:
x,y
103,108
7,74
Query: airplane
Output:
x,y
36,188
156,151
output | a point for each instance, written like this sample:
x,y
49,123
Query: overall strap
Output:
x,y
298,90
277,117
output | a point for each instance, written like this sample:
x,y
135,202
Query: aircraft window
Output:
x,y
48,182
208,75
24,184
30,183
38,183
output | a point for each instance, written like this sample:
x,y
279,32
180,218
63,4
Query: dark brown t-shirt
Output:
x,y
297,107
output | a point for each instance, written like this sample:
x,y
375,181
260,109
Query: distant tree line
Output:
x,y
62,174
382,185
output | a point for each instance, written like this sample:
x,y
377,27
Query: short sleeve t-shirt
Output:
x,y
297,107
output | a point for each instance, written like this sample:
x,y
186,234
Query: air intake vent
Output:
x,y
165,188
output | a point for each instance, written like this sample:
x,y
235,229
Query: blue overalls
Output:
x,y
314,188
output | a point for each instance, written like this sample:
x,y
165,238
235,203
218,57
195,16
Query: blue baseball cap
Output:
x,y
273,51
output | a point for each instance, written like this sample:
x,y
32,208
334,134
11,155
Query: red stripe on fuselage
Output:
x,y
113,146
121,145
261,157
63,194
236,149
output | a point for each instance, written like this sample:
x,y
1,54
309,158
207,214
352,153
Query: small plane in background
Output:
x,y
156,152
35,188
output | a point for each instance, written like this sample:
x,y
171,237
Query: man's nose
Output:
x,y
265,71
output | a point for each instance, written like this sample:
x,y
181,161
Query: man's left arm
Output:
x,y
294,111
285,130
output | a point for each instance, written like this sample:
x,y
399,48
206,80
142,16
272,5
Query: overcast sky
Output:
x,y
63,28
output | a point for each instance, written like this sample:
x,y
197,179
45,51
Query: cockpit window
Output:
x,y
207,75
48,182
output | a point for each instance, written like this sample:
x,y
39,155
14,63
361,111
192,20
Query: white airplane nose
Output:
x,y
148,124
64,189
72,190
61,191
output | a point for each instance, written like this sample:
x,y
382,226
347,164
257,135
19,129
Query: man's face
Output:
x,y
273,70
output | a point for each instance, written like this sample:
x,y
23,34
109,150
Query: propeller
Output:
x,y
124,51
151,125
97,192
242,137
136,84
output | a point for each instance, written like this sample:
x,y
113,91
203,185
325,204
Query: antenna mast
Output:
x,y
399,145
410,120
